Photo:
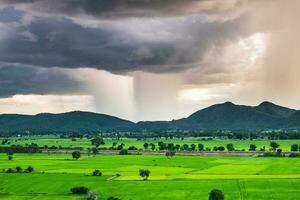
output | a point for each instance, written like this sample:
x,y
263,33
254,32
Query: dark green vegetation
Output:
x,y
181,177
220,117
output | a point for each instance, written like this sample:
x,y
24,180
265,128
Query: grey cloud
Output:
x,y
20,79
127,8
49,41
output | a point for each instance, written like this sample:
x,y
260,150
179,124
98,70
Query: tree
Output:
x,y
230,147
146,145
9,157
97,141
132,148
152,146
274,145
216,195
76,155
170,146
295,147
221,148
144,173
97,172
200,147
185,147
193,147
252,147
18,169
80,190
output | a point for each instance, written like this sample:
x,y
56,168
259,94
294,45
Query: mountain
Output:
x,y
234,117
225,116
65,122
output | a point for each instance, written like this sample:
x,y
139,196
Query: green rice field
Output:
x,y
178,178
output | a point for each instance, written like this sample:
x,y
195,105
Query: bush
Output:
x,y
29,169
216,195
80,190
76,155
294,155
123,152
18,169
97,172
10,170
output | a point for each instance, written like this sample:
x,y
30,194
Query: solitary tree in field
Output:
x,y
76,155
295,147
252,147
216,195
9,157
144,173
274,145
97,141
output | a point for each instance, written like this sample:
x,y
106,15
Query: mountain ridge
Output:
x,y
222,116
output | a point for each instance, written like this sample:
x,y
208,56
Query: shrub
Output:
x,y
294,155
18,169
123,152
76,155
97,172
10,170
216,195
80,190
29,169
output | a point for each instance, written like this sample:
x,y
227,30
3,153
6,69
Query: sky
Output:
x,y
147,59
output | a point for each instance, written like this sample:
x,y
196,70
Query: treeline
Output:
x,y
230,134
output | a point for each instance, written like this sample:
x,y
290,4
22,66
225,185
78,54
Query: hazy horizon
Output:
x,y
147,60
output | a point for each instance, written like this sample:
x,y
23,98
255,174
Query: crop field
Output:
x,y
176,178
285,145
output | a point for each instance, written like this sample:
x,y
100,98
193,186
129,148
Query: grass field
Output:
x,y
181,177
285,145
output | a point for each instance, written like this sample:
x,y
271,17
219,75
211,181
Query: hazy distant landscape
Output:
x,y
149,100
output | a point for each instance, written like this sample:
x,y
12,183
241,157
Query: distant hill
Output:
x,y
233,117
76,121
225,116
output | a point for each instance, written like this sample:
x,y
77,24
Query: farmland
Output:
x,y
181,177
85,143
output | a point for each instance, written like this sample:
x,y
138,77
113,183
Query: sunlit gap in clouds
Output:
x,y
238,57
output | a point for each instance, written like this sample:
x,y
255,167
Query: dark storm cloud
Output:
x,y
20,79
50,41
126,8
